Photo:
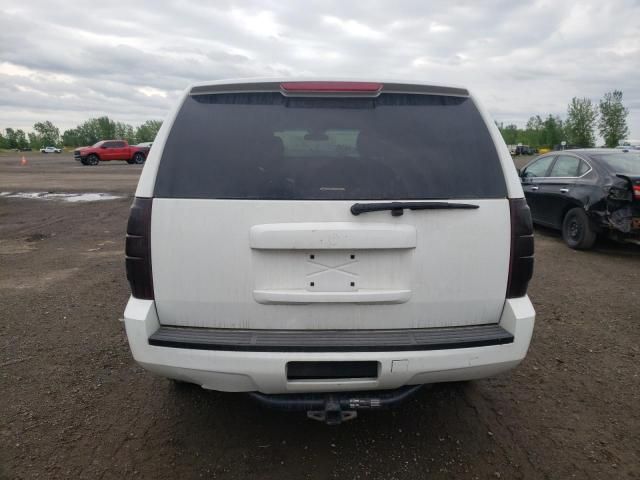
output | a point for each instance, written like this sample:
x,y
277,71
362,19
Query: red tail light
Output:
x,y
636,192
521,260
138,249
330,87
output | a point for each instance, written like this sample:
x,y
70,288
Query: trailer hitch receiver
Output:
x,y
337,407
333,414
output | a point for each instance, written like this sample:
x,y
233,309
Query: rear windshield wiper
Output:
x,y
397,208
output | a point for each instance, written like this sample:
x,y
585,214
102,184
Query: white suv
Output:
x,y
305,237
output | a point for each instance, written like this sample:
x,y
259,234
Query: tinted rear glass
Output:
x,y
624,162
267,146
539,167
565,166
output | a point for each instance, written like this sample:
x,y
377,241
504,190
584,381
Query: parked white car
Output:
x,y
293,238
50,150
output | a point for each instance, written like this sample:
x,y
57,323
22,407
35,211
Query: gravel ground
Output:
x,y
75,405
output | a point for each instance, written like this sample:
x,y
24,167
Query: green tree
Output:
x,y
613,119
47,134
21,139
509,133
532,134
10,138
71,138
105,127
552,131
34,142
580,123
90,132
124,131
3,141
148,130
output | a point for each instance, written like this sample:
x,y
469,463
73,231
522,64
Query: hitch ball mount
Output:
x,y
336,408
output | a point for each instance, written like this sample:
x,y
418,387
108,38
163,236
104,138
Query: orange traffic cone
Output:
x,y
23,161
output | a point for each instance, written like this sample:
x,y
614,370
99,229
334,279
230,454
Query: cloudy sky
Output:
x,y
69,60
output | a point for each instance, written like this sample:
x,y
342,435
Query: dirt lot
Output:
x,y
61,173
74,405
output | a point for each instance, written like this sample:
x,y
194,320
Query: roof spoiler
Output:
x,y
329,88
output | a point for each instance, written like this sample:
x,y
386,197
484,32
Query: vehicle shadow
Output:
x,y
603,245
436,429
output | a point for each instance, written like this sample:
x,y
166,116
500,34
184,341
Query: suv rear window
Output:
x,y
268,146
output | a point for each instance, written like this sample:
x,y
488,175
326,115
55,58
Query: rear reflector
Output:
x,y
521,260
138,249
331,87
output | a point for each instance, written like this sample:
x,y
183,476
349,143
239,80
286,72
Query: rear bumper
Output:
x,y
265,371
331,341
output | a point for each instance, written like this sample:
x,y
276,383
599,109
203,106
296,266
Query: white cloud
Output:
x,y
436,27
7,68
262,24
353,28
150,92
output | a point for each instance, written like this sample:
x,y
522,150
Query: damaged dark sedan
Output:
x,y
586,193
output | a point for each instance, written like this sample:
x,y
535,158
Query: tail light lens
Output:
x,y
636,192
331,87
521,260
138,249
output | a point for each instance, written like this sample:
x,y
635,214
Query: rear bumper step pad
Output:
x,y
330,340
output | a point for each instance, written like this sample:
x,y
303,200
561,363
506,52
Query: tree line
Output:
x,y
93,130
609,117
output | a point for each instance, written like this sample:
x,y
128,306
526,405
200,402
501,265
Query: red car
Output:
x,y
111,150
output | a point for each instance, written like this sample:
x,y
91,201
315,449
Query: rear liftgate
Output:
x,y
337,259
